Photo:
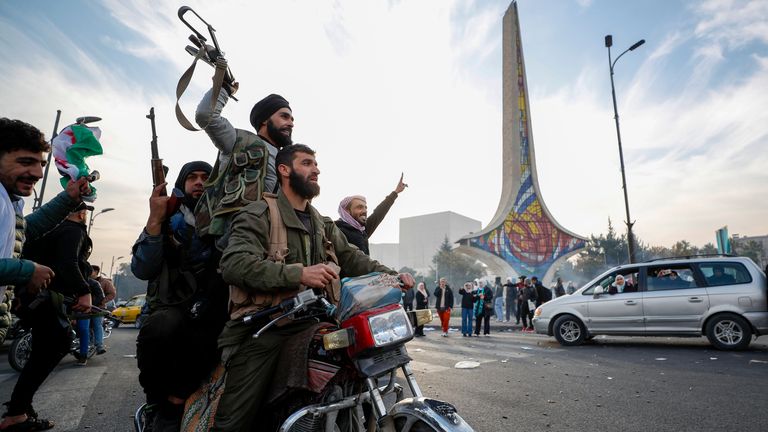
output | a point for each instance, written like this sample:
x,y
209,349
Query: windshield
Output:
x,y
366,292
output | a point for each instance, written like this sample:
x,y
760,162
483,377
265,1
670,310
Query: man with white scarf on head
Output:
x,y
354,221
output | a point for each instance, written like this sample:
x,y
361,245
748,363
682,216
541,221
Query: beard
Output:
x,y
277,136
302,186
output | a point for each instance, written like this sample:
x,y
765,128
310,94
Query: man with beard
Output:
x,y
354,221
176,346
22,148
271,117
258,281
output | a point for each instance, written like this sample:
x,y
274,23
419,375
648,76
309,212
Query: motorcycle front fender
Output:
x,y
439,415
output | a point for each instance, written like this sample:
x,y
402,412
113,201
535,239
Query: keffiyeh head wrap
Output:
x,y
345,216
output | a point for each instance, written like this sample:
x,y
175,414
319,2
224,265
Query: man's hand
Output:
x,y
40,279
232,88
318,275
157,207
408,281
400,185
83,304
76,189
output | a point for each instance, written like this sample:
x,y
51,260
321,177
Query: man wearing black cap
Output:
x,y
271,117
176,345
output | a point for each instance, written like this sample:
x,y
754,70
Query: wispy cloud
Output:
x,y
383,87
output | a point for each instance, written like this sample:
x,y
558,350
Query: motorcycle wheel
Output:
x,y
19,352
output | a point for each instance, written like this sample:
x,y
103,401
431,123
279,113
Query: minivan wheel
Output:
x,y
729,332
569,330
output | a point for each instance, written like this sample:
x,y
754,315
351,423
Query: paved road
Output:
x,y
523,382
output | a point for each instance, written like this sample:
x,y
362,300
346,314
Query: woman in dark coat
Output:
x,y
422,302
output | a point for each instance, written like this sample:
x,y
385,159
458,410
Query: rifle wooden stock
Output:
x,y
159,171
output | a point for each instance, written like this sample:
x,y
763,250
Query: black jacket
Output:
x,y
422,301
65,250
543,294
467,298
408,297
354,236
448,297
510,290
360,238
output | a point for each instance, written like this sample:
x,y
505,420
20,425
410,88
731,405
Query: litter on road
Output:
x,y
466,365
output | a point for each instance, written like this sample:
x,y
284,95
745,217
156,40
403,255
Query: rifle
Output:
x,y
159,170
213,56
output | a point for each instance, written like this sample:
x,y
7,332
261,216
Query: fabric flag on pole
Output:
x,y
70,148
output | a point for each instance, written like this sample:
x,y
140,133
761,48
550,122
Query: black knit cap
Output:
x,y
189,168
265,108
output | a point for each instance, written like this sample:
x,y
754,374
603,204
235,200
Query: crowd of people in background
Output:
x,y
480,300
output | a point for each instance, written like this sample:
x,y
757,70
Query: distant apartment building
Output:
x,y
386,253
421,237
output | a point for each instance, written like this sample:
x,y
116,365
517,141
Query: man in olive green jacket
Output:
x,y
254,280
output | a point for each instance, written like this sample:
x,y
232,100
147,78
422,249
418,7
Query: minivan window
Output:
x,y
726,273
670,277
608,282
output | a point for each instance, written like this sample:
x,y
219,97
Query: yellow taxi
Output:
x,y
129,312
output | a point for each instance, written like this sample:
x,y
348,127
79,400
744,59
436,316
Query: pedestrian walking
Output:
x,y
498,300
422,302
444,304
527,303
520,288
510,299
468,294
484,310
559,289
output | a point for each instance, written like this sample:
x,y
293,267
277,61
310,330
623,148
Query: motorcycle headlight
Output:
x,y
390,327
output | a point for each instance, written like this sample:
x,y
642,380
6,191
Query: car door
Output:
x,y
618,313
675,301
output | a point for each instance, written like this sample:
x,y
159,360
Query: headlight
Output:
x,y
538,311
390,327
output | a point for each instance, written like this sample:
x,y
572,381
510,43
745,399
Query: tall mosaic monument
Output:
x,y
522,238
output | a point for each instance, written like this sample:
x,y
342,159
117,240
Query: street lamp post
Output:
x,y
93,216
112,267
630,235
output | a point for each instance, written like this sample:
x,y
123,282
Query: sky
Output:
x,y
383,87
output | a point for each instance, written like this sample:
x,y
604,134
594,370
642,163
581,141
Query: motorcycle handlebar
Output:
x,y
287,308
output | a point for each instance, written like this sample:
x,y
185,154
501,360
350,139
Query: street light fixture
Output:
x,y
93,216
630,235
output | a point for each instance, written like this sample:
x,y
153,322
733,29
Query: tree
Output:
x,y
126,284
684,248
455,267
751,249
708,249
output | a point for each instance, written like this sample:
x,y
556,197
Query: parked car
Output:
x,y
724,298
129,312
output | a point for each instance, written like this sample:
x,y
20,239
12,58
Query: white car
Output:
x,y
724,298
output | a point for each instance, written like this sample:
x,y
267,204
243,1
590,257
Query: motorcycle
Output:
x,y
21,348
353,355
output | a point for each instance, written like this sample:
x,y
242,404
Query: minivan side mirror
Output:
x,y
598,292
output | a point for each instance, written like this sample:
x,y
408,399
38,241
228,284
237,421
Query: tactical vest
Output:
x,y
231,187
242,303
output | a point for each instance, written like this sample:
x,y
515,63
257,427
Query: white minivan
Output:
x,y
724,298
